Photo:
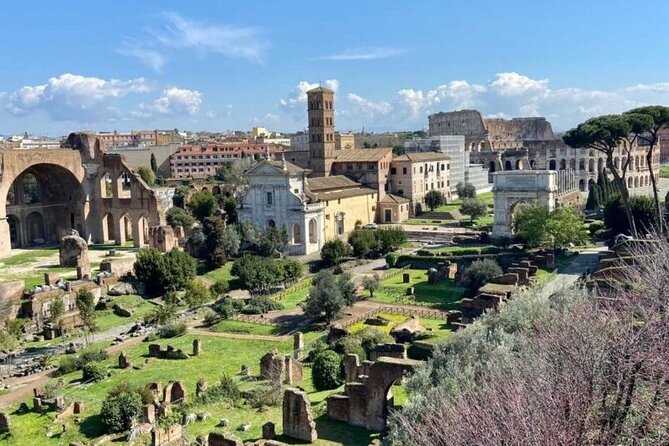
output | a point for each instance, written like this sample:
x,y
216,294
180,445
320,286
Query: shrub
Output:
x,y
479,273
595,226
425,253
196,294
333,251
91,356
465,190
68,364
263,396
261,305
326,371
172,330
52,389
160,273
391,259
93,372
211,318
120,408
226,389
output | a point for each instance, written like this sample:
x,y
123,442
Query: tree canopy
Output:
x,y
434,198
325,297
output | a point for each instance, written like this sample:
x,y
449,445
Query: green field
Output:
x,y
234,326
28,257
437,330
664,171
106,319
443,295
219,356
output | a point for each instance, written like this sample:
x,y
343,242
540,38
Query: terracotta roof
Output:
x,y
390,198
321,184
362,155
422,156
344,193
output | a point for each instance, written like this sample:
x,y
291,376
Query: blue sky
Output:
x,y
217,65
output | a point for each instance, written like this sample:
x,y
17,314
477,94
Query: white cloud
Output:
x,y
298,97
269,118
227,40
514,84
458,94
364,54
360,105
173,100
73,97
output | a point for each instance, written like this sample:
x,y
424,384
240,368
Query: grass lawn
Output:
x,y
223,273
443,295
294,297
233,326
664,171
28,256
219,356
106,319
460,249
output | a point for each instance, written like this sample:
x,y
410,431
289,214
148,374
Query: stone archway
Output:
x,y
511,188
42,204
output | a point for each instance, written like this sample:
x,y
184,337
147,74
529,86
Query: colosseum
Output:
x,y
529,143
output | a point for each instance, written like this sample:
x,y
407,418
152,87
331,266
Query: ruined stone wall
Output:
x,y
469,123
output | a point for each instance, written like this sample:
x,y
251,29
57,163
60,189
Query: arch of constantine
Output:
x,y
513,187
44,194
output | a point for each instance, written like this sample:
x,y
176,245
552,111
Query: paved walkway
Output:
x,y
583,262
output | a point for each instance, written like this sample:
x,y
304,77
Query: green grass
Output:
x,y
444,295
664,171
463,249
28,256
140,307
219,356
233,326
294,297
223,273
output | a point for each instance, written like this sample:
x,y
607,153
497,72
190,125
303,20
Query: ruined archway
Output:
x,y
43,203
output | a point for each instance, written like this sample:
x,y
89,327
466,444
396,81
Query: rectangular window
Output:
x,y
404,170
393,170
269,198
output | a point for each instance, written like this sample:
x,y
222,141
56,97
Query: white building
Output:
x,y
461,168
278,197
299,142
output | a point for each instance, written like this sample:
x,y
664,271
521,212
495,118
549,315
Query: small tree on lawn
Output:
x,y
292,270
465,190
86,305
57,310
197,294
371,284
326,371
479,273
474,208
325,297
362,242
333,251
434,198
529,221
565,227
121,407
163,314
390,239
347,287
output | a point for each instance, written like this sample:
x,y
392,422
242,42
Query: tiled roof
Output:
x,y
344,193
321,184
422,157
290,167
362,155
390,198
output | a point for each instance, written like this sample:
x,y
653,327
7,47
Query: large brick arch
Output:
x,y
382,375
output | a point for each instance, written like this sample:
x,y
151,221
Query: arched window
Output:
x,y
271,223
600,164
492,166
563,164
581,185
591,165
572,164
518,165
581,164
507,165
551,165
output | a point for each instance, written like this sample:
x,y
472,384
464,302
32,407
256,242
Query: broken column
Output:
x,y
297,419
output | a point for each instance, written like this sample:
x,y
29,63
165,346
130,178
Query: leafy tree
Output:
x,y
528,223
479,273
219,287
93,372
643,212
326,371
120,408
362,241
196,294
233,174
202,204
154,164
57,310
272,240
565,226
474,208
390,239
605,134
371,284
221,241
292,270
391,259
164,272
257,274
85,303
333,251
434,198
147,175
325,297
465,190
177,216
647,122
347,287
229,206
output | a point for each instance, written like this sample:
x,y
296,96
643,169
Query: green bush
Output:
x,y
211,318
219,287
326,371
172,330
120,408
391,259
479,273
68,364
91,356
595,226
226,389
261,305
425,253
93,372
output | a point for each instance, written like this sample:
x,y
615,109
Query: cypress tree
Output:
x,y
154,163
591,203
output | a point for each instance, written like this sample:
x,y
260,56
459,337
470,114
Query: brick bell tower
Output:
x,y
320,110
